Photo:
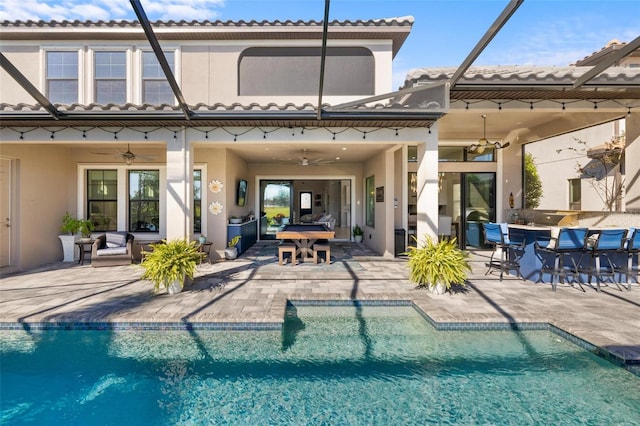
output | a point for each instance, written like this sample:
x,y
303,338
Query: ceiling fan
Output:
x,y
305,160
128,156
483,143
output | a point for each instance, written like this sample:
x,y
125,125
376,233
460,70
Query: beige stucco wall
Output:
x,y
45,189
374,237
23,58
556,168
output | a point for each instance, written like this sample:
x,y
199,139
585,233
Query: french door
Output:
x,y
470,200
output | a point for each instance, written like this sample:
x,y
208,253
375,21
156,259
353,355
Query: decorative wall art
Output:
x,y
215,207
216,186
380,194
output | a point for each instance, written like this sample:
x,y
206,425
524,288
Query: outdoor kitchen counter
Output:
x,y
530,262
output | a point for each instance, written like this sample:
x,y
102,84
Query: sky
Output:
x,y
541,32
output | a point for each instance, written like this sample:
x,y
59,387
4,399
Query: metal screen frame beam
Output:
x,y
615,57
30,88
162,60
323,56
485,40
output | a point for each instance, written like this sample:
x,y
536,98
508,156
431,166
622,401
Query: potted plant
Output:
x,y
70,228
85,228
231,252
170,263
357,234
438,265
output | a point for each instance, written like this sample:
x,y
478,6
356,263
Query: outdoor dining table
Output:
x,y
304,236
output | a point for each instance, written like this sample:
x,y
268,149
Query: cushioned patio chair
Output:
x,y
497,236
571,243
608,243
112,249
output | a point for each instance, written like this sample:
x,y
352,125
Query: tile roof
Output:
x,y
506,74
396,21
395,29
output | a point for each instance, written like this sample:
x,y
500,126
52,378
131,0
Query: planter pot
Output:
x,y
357,238
202,240
230,253
176,286
69,247
235,221
438,288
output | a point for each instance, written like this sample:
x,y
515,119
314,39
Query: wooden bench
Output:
x,y
287,248
326,248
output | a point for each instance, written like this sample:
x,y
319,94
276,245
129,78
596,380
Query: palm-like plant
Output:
x,y
438,262
170,261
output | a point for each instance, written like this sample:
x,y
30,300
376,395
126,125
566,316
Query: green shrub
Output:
x,y
438,261
170,261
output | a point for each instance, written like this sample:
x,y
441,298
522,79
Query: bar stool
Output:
x,y
608,243
287,248
497,235
570,242
631,248
324,247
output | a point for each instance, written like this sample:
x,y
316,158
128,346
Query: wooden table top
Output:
x,y
305,232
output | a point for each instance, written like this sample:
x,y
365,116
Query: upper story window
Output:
x,y
265,71
110,77
62,77
155,87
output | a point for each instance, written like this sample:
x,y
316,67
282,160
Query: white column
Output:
x,y
427,222
179,207
389,195
632,165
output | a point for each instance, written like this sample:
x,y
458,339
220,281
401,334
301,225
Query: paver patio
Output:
x,y
254,290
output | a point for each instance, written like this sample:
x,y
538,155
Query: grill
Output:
x,y
556,219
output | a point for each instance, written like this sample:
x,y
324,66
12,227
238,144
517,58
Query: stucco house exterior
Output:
x,y
565,183
92,124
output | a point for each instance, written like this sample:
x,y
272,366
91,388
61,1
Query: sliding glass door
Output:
x,y
469,200
275,206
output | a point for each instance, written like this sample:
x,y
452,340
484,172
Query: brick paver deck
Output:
x,y
253,289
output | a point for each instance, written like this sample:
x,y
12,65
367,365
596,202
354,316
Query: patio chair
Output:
x,y
608,243
112,249
631,249
511,251
570,243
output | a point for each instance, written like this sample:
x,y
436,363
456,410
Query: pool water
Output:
x,y
331,366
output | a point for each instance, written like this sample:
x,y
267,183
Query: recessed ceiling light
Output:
x,y
337,158
344,148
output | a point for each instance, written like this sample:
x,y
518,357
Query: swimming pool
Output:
x,y
331,365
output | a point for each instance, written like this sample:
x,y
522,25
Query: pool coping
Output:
x,y
632,366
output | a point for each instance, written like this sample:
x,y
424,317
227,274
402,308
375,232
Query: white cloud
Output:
x,y
89,12
14,10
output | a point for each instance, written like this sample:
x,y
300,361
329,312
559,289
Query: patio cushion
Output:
x,y
116,239
111,251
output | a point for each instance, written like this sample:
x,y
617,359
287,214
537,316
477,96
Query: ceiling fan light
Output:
x,y
483,141
480,148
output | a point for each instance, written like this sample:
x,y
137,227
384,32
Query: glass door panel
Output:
x,y
479,203
275,207
469,200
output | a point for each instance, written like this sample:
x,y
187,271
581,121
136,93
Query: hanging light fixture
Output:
x,y
128,156
483,142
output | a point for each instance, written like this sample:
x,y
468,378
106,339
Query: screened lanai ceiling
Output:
x,y
428,95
